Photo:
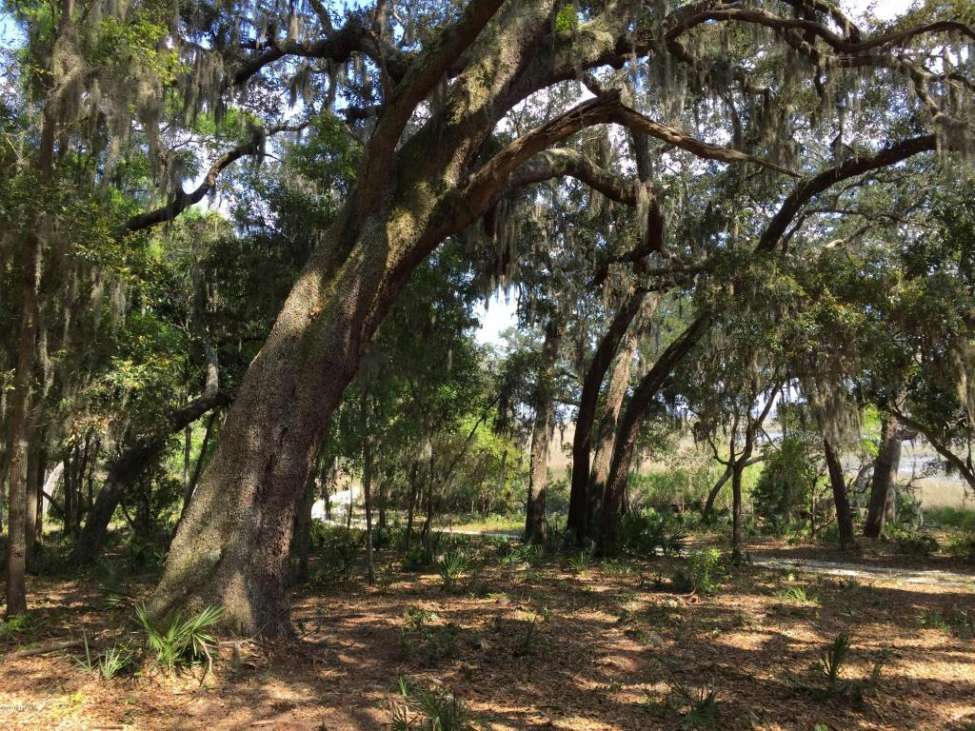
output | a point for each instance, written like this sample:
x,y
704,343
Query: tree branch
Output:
x,y
183,200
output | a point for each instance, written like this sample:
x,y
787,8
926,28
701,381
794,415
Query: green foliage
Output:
x,y
421,709
783,490
567,19
13,627
178,642
912,543
451,566
959,622
700,705
580,562
338,549
701,573
798,594
115,660
963,547
647,532
832,660
425,642
948,517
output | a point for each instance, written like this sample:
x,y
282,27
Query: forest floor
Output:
x,y
527,642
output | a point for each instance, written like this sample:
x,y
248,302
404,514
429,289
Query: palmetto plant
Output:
x,y
115,660
451,566
834,657
181,641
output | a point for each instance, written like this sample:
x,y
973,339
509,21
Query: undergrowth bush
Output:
x,y
701,572
178,642
647,532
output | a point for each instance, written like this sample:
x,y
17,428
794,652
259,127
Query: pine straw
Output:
x,y
544,647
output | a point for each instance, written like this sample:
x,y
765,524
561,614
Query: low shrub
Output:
x,y
701,573
179,642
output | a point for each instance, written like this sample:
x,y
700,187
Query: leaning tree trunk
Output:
x,y
125,472
844,516
542,428
582,440
885,469
631,422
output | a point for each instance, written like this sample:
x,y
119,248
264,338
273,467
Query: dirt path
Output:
x,y
861,571
926,577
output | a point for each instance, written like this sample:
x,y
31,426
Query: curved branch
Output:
x,y
564,162
353,37
183,200
811,187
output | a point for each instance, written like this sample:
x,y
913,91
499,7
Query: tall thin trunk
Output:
x,y
582,440
542,428
187,454
19,437
737,470
414,493
885,470
301,543
382,501
844,516
367,469
35,480
367,473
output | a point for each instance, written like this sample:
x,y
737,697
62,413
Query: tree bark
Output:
x,y
411,194
737,470
844,516
35,479
631,422
19,437
414,494
580,494
301,546
542,428
885,470
619,383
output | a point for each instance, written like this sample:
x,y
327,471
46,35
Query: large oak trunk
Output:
x,y
582,440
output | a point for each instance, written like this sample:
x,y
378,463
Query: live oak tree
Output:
x,y
424,90
427,173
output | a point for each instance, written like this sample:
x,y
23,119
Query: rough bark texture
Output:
x,y
232,548
412,193
629,428
844,517
35,480
619,383
737,470
542,429
884,473
582,441
18,467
